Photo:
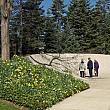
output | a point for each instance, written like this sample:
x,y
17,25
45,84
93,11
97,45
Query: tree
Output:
x,y
27,27
54,34
101,26
78,25
33,26
15,28
50,39
5,45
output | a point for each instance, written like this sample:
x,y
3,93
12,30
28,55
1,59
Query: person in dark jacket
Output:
x,y
90,67
96,67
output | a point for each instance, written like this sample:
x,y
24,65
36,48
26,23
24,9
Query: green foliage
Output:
x,y
27,27
33,28
36,87
50,38
87,28
79,25
84,29
55,24
4,106
100,27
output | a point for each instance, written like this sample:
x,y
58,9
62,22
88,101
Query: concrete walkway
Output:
x,y
95,98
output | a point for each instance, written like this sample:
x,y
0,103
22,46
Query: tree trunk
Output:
x,y
5,45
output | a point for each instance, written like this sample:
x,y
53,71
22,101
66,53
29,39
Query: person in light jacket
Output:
x,y
82,68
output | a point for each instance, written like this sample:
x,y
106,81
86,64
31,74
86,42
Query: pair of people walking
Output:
x,y
90,67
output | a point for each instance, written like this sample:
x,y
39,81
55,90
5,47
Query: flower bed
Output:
x,y
35,87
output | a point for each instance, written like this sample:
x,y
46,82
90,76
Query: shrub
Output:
x,y
35,87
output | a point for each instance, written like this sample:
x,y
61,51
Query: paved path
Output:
x,y
95,98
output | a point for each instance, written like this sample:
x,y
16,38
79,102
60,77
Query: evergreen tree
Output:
x,y
33,23
79,21
83,29
54,35
27,27
50,39
100,26
14,27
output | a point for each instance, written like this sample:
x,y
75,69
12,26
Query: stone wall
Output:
x,y
70,62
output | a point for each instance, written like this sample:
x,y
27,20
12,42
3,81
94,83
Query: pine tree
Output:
x,y
14,27
106,26
50,39
27,27
79,21
53,40
100,26
33,24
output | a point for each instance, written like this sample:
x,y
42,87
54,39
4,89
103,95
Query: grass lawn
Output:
x,y
4,106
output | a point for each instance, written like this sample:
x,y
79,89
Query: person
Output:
x,y
82,68
96,67
90,66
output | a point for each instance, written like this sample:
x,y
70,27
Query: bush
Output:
x,y
35,87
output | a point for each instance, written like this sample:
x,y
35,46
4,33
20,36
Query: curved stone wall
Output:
x,y
70,62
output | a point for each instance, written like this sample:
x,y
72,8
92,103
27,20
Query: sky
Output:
x,y
47,3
